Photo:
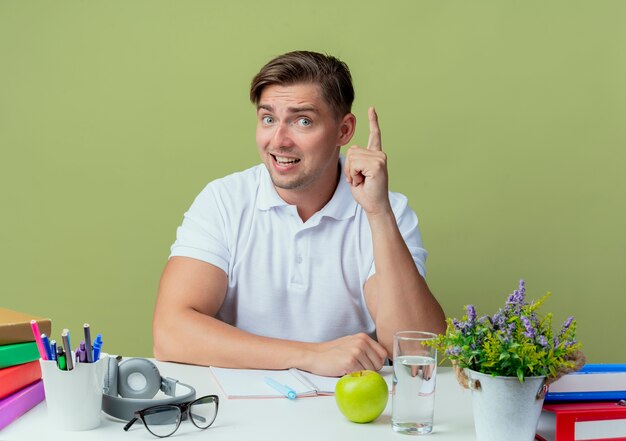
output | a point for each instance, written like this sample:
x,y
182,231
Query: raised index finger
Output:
x,y
374,142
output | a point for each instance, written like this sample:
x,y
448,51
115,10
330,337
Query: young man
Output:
x,y
306,260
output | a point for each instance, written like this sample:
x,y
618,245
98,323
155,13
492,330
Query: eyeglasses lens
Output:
x,y
203,412
162,420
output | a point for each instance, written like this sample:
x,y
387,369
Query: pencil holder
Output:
x,y
74,398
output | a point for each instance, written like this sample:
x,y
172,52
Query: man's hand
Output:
x,y
366,171
347,354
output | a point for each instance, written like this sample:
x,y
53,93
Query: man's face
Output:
x,y
298,137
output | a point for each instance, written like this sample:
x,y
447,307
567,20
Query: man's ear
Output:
x,y
346,129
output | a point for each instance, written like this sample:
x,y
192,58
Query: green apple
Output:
x,y
361,396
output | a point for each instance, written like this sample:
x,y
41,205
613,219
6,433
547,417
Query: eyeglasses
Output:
x,y
163,420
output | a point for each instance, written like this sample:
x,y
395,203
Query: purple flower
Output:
x,y
522,287
453,351
456,324
516,301
498,320
530,331
543,341
471,315
510,329
566,324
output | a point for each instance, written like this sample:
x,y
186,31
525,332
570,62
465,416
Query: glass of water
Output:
x,y
414,375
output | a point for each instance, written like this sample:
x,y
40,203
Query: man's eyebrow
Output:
x,y
303,109
297,109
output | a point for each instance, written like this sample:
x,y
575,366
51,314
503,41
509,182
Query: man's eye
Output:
x,y
304,122
267,120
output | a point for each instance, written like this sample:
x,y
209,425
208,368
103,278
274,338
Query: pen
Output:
x,y
53,349
69,342
35,327
282,388
61,359
88,348
46,346
97,347
81,355
68,350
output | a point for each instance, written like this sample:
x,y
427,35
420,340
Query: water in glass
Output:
x,y
413,394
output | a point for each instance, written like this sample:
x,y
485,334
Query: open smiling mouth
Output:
x,y
283,160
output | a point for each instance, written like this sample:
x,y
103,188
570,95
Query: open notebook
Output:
x,y
250,383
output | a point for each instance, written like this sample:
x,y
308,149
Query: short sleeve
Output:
x,y
202,233
408,224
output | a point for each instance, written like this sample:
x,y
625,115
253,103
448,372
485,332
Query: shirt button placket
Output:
x,y
298,275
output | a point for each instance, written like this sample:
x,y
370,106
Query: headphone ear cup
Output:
x,y
138,378
110,379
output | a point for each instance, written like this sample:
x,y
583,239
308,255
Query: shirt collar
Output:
x,y
268,196
341,206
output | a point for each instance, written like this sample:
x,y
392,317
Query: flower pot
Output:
x,y
504,408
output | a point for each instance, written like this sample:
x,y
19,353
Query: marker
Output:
x,y
282,388
88,348
46,346
81,353
53,349
67,331
97,347
68,350
77,354
35,327
61,360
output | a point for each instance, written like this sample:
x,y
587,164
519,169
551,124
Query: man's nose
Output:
x,y
282,136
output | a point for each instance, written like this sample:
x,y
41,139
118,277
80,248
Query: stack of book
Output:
x,y
586,405
21,387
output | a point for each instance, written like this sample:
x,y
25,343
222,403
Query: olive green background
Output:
x,y
504,123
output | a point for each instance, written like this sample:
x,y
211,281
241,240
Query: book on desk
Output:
x,y
594,382
21,387
586,405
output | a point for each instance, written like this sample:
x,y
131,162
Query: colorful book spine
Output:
x,y
15,326
594,382
19,353
15,378
17,404
582,421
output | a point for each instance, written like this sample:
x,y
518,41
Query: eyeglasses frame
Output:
x,y
183,411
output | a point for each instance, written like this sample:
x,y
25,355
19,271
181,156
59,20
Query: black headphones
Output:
x,y
130,386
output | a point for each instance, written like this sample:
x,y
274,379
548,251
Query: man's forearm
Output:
x,y
196,338
189,336
403,300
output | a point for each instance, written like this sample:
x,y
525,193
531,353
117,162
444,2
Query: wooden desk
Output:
x,y
314,419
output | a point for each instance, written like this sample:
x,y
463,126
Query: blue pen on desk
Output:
x,y
46,346
97,347
53,350
282,388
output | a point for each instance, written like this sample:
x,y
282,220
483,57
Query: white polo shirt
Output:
x,y
287,278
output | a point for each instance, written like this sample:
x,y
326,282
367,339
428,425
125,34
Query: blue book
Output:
x,y
594,382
